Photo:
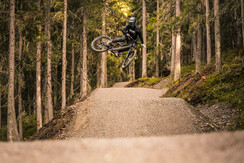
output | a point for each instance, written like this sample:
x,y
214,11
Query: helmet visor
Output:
x,y
132,23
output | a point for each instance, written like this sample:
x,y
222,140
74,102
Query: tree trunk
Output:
x,y
55,85
38,75
81,64
173,55
84,69
99,72
242,20
19,86
238,30
199,48
217,35
46,118
64,63
144,52
204,47
49,62
199,40
194,44
132,71
72,71
0,99
12,132
104,57
157,46
178,45
208,34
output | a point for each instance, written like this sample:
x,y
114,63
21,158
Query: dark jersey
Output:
x,y
133,32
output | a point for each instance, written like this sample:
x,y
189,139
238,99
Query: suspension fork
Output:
x,y
128,54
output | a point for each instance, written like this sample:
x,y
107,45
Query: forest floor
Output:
x,y
130,125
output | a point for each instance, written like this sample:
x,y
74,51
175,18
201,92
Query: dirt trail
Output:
x,y
132,112
131,125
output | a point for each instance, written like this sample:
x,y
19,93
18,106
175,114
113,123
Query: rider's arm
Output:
x,y
125,30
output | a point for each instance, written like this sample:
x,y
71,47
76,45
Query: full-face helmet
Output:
x,y
132,21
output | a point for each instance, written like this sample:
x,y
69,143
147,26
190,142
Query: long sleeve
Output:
x,y
125,30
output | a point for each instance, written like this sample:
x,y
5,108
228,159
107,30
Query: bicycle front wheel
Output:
x,y
99,44
129,58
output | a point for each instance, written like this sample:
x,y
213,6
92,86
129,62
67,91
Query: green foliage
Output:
x,y
3,133
226,86
145,82
29,126
188,69
114,73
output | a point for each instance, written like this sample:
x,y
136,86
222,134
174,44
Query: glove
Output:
x,y
143,45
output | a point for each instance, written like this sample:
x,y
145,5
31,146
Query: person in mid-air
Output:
x,y
130,31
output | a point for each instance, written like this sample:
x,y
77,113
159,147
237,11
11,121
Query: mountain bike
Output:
x,y
100,44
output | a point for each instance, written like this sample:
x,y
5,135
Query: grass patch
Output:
x,y
188,69
145,82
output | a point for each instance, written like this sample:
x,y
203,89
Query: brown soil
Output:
x,y
55,128
221,114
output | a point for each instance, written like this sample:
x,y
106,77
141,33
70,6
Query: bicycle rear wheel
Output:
x,y
129,58
99,44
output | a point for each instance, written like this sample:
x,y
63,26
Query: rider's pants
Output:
x,y
122,39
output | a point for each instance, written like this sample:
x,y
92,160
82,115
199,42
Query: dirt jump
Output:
x,y
132,125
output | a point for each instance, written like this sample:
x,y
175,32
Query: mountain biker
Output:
x,y
130,31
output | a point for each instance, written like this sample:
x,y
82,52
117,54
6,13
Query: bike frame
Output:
x,y
133,43
122,48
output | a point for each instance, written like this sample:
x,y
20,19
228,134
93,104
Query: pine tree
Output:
x,y
172,69
84,69
217,35
209,52
12,132
199,41
72,70
178,46
242,20
104,57
64,63
49,63
38,75
157,46
144,52
20,80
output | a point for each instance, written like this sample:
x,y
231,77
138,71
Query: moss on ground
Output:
x,y
145,82
210,87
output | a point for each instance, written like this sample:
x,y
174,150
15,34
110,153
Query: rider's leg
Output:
x,y
120,39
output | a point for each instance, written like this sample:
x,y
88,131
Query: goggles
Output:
x,y
132,24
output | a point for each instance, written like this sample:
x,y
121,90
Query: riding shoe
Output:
x,y
109,42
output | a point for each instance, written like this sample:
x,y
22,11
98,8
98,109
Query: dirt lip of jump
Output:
x,y
132,125
133,112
